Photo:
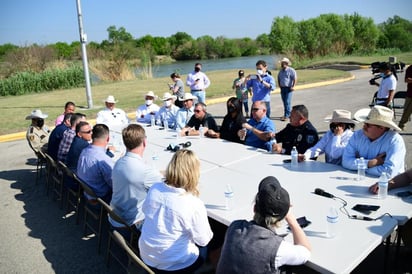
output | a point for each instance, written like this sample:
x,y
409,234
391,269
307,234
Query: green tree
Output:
x,y
6,48
283,35
340,33
63,50
365,32
396,33
118,35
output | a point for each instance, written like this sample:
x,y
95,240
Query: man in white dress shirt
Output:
x,y
168,111
115,118
145,112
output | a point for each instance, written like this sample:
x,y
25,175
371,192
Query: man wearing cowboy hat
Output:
x,y
168,111
145,112
185,113
287,79
114,118
377,142
335,140
254,246
37,134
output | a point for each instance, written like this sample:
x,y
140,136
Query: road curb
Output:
x,y
21,135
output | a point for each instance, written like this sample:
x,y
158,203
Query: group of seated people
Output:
x,y
166,209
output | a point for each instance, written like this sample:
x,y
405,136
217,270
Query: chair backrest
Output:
x,y
84,186
67,171
111,212
400,95
125,246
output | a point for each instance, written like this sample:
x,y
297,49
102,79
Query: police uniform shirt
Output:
x,y
38,137
303,137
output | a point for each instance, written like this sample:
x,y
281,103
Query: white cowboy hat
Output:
x,y
188,96
36,114
110,99
150,94
167,96
378,115
340,116
285,60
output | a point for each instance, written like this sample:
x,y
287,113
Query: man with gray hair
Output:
x,y
254,246
201,118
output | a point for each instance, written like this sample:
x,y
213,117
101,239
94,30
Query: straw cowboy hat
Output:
x,y
167,96
340,116
150,94
378,115
285,60
110,99
36,114
188,96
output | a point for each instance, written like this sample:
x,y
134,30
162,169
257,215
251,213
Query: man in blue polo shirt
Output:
x,y
260,130
261,84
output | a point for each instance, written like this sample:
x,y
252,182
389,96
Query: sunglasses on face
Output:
x,y
197,110
255,109
87,132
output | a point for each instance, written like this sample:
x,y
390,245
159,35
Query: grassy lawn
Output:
x,y
130,93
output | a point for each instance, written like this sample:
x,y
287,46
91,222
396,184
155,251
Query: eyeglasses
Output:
x,y
197,110
87,132
255,109
369,125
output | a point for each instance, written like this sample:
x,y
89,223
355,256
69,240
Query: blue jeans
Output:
x,y
201,96
286,95
246,106
267,109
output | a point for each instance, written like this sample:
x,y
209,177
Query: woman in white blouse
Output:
x,y
335,140
176,225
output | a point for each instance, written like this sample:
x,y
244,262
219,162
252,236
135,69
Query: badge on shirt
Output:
x,y
299,138
310,139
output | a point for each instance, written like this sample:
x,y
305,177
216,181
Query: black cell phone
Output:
x,y
287,161
303,222
365,209
404,193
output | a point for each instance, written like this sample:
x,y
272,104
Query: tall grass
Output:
x,y
51,79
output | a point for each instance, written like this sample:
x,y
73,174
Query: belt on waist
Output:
x,y
197,90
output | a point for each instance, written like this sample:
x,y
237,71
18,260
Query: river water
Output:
x,y
184,67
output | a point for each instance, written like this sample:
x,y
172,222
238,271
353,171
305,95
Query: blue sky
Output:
x,y
24,22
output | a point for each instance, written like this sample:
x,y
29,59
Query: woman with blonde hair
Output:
x,y
176,223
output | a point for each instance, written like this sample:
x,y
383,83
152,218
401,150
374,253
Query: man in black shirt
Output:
x,y
201,119
299,132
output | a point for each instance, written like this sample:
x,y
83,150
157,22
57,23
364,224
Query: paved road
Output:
x,y
35,236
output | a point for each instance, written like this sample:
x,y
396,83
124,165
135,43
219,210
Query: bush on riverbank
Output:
x,y
52,79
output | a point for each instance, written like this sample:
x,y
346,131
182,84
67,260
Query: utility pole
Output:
x,y
83,40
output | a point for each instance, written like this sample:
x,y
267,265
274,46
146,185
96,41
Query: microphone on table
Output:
x,y
364,218
323,193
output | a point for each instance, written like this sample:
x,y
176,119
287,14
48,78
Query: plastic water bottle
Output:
x,y
294,156
201,131
229,197
332,222
361,168
152,120
165,124
383,186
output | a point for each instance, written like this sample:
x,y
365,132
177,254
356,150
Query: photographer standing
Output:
x,y
387,86
407,108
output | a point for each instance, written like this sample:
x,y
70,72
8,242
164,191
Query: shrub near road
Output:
x,y
31,82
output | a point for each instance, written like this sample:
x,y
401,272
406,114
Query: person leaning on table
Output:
x,y
260,130
335,140
377,142
176,226
254,246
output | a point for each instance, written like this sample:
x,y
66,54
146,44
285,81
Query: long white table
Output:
x,y
244,167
